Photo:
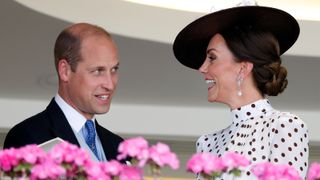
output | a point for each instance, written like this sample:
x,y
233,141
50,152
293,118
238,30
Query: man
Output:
x,y
87,64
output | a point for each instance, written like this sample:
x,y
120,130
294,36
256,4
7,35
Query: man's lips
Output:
x,y
103,97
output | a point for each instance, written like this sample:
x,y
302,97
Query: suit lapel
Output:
x,y
107,140
60,126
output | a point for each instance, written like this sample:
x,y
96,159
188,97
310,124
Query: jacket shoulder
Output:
x,y
24,132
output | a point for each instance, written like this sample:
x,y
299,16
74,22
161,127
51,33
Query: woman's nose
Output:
x,y
204,67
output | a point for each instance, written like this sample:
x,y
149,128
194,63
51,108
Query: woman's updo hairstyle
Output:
x,y
262,49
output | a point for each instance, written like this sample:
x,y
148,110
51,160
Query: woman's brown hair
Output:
x,y
262,49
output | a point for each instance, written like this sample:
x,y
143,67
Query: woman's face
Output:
x,y
220,71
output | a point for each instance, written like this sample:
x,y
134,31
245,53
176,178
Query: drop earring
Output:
x,y
239,81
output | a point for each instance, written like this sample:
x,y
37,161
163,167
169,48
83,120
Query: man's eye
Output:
x,y
115,69
97,72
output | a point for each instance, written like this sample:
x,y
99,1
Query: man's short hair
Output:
x,y
68,43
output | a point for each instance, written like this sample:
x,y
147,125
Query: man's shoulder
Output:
x,y
27,131
36,119
39,117
108,133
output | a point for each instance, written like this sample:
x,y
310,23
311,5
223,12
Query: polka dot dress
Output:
x,y
262,134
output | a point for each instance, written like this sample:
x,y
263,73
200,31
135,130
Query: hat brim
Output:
x,y
191,43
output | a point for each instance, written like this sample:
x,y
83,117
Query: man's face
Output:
x,y
91,87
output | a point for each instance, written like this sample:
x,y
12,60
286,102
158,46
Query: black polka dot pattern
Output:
x,y
262,134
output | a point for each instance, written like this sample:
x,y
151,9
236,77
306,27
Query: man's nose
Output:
x,y
108,82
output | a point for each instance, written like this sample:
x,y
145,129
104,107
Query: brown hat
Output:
x,y
191,43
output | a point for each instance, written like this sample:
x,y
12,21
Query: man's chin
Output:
x,y
102,111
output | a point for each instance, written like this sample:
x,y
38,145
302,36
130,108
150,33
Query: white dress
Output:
x,y
262,134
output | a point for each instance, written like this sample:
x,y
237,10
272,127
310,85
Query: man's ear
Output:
x,y
64,70
245,68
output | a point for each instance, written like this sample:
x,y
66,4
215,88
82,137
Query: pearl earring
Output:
x,y
239,81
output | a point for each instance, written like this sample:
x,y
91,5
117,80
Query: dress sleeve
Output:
x,y
290,143
199,150
199,143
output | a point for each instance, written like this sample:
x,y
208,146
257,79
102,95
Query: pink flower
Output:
x,y
48,169
113,167
161,155
20,160
135,148
314,171
214,164
31,154
205,163
290,173
130,173
95,171
8,159
269,171
71,157
234,160
69,153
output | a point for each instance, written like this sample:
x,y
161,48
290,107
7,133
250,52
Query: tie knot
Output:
x,y
89,125
91,133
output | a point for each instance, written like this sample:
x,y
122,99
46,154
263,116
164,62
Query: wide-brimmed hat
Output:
x,y
191,43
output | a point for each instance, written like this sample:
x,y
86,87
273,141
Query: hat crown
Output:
x,y
191,43
232,3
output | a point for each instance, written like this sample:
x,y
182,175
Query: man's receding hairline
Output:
x,y
83,30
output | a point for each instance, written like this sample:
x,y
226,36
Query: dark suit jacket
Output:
x,y
52,123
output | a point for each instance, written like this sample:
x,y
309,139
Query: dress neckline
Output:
x,y
250,111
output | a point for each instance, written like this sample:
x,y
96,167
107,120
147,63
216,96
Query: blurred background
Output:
x,y
157,98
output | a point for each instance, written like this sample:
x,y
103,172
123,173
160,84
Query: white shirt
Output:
x,y
77,122
262,134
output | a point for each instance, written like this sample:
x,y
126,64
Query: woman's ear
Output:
x,y
245,68
64,70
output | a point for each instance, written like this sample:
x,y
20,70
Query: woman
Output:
x,y
238,52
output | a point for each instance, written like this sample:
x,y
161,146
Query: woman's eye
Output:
x,y
211,58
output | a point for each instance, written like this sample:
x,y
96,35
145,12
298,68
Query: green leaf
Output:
x,y
236,172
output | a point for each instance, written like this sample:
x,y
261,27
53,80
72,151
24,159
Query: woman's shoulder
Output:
x,y
287,121
287,118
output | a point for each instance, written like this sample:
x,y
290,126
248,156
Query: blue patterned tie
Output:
x,y
91,137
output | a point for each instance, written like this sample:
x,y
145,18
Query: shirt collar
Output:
x,y
250,111
75,119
